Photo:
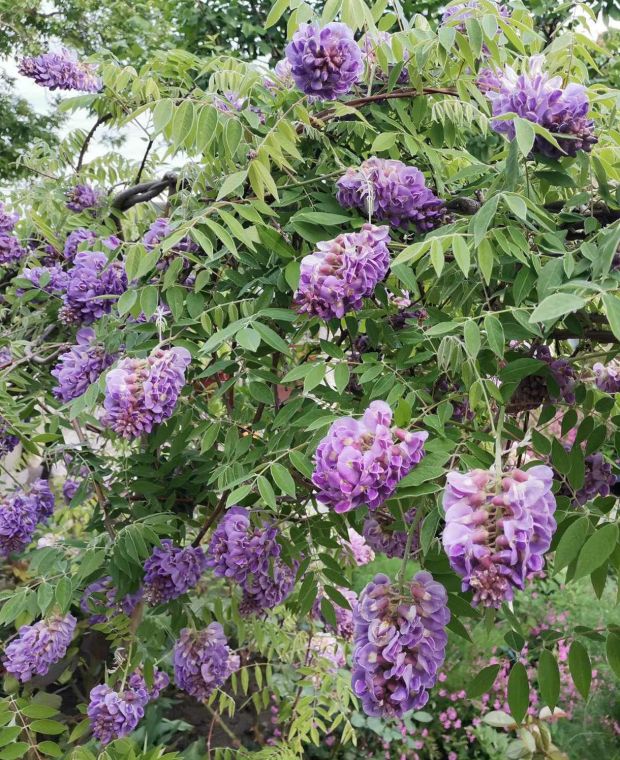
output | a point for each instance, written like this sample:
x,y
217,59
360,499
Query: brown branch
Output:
x,y
143,192
101,120
143,162
221,505
600,336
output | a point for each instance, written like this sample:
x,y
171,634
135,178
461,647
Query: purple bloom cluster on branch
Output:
x,y
341,272
74,239
357,547
325,62
114,714
143,392
8,440
80,366
160,679
326,655
607,376
92,283
170,571
361,461
38,647
344,615
50,279
159,230
399,643
100,601
498,528
60,71
382,539
82,197
251,556
11,250
598,479
20,513
203,661
541,99
389,190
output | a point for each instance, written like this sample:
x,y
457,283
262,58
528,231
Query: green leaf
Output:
x,y
437,257
162,113
182,123
314,377
486,259
555,306
272,338
612,649
480,222
471,333
612,309
231,183
49,748
47,727
39,711
580,668
341,377
596,549
525,135
283,479
571,542
518,692
16,750
276,12
548,678
460,250
384,141
483,681
495,334
266,491
9,734
248,338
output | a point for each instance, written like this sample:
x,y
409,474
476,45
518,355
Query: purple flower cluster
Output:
x,y
598,479
137,682
541,99
203,661
92,283
60,71
390,190
114,714
498,528
250,555
20,513
377,39
82,197
562,372
11,250
325,62
143,392
99,601
344,615
399,644
357,547
607,377
326,655
74,239
361,461
341,272
80,366
38,647
50,279
159,230
460,406
382,538
171,571
8,440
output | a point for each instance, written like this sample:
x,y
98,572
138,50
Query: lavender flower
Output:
x,y
74,239
390,190
11,250
8,220
159,230
400,644
80,366
541,99
114,714
281,75
69,489
38,647
143,392
203,661
498,528
20,513
325,63
8,440
137,682
50,279
341,272
251,557
91,287
598,480
533,390
326,654
171,571
380,535
357,547
344,615
61,71
99,601
361,461
607,377
82,197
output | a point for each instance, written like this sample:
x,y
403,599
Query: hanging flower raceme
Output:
x,y
399,643
60,71
170,571
598,479
82,197
498,528
8,219
607,377
91,284
203,661
383,539
8,440
20,513
344,615
357,547
389,190
11,250
250,556
159,230
100,601
114,714
74,239
541,99
341,272
143,392
361,461
80,366
160,681
375,40
325,62
50,279
38,647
